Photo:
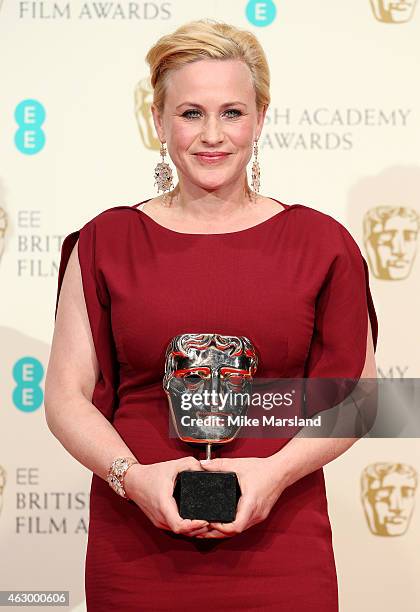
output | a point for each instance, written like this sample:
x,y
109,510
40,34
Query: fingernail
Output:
x,y
204,460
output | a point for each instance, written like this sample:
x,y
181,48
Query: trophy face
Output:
x,y
208,381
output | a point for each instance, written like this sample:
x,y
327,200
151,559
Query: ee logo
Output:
x,y
27,394
29,137
261,12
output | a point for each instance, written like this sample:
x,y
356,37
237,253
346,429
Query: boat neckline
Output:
x,y
246,229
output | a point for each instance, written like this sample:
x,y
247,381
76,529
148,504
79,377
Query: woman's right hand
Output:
x,y
151,487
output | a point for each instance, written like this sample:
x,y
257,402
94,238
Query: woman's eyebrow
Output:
x,y
200,106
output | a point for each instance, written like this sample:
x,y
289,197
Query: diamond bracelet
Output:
x,y
116,473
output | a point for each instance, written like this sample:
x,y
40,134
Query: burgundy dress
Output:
x,y
298,287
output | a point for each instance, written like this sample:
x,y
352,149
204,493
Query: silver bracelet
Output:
x,y
116,473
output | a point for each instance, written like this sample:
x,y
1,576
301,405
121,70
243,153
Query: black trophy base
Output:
x,y
208,496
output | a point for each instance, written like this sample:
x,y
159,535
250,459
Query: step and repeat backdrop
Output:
x,y
341,135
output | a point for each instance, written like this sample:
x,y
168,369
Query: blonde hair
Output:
x,y
207,39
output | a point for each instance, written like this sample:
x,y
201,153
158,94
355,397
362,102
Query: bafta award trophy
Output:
x,y
208,381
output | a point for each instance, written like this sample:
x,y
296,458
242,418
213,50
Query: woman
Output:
x,y
211,255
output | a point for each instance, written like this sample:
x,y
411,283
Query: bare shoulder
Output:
x,y
73,366
72,281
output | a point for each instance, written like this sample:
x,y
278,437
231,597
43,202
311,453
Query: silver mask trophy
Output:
x,y
208,381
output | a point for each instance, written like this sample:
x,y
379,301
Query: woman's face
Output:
x,y
210,106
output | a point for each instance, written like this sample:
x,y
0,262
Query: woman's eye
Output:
x,y
187,114
234,110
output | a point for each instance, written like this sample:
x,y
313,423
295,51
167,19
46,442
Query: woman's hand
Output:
x,y
261,486
151,487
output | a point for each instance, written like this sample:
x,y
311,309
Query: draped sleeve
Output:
x,y
343,304
98,307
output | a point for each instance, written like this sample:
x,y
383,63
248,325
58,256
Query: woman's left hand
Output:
x,y
261,485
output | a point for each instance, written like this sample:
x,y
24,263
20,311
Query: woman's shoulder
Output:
x,y
314,215
322,227
108,217
311,224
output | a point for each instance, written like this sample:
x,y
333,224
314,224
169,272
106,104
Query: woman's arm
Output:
x,y
83,430
72,373
302,455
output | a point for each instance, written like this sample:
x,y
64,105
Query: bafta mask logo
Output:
x,y
2,485
143,97
388,491
3,228
390,238
388,11
208,381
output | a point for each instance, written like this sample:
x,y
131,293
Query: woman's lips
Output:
x,y
211,159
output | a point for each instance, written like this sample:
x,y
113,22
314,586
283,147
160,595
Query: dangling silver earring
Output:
x,y
163,173
255,182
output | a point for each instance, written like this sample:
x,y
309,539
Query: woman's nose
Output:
x,y
212,131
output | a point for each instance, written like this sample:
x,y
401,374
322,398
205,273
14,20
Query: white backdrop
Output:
x,y
341,135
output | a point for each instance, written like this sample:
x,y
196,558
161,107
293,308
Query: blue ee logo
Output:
x,y
28,373
29,138
261,13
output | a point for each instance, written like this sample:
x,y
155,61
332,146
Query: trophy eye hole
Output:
x,y
193,380
235,380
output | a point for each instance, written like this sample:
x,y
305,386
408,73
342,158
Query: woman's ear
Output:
x,y
157,120
260,121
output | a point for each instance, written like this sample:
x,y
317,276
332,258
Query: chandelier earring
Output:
x,y
255,182
163,173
